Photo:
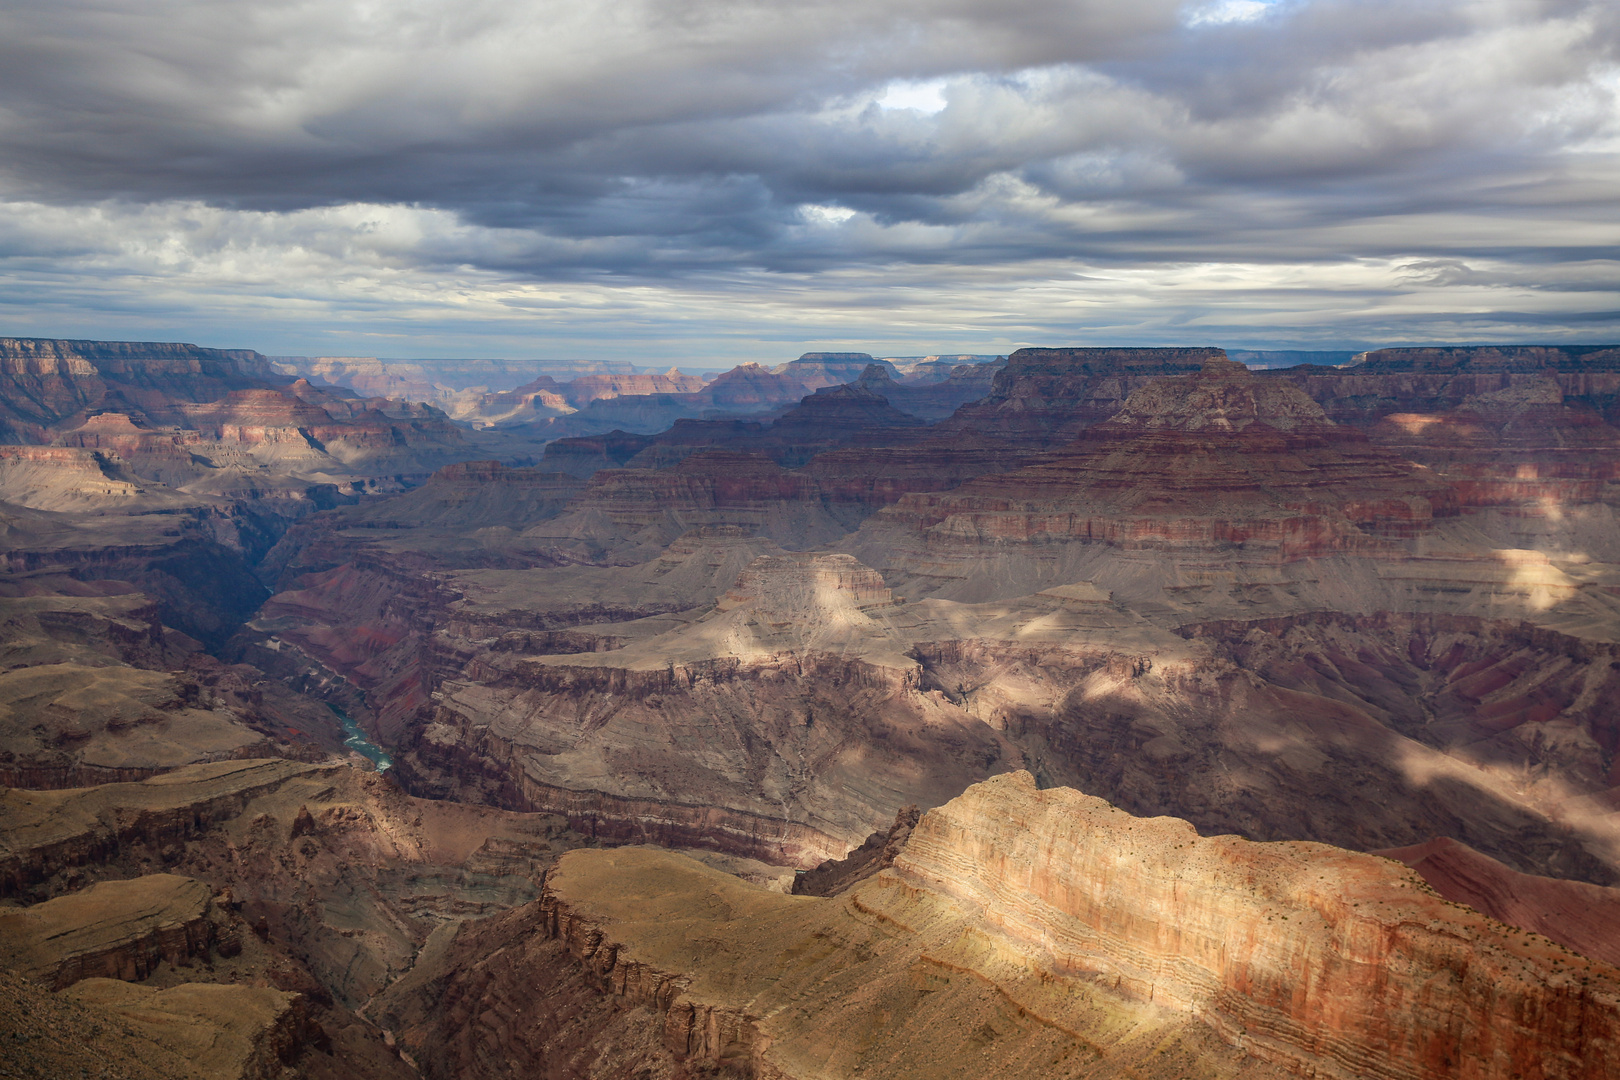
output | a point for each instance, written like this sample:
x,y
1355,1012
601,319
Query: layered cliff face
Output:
x,y
601,978
1019,931
778,726
1212,461
318,884
1281,948
175,412
1525,435
44,381
115,929
1045,397
1575,914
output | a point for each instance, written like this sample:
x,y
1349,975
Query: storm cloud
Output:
x,y
681,179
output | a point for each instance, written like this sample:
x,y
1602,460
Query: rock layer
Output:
x,y
115,929
1212,460
1286,949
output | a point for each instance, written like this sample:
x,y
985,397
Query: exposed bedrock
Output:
x,y
114,929
1282,948
782,719
601,978
1019,932
1045,397
339,877
1436,380
789,760
877,853
48,832
43,380
1345,731
1576,914
1211,460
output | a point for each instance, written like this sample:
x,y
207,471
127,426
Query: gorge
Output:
x,y
1079,713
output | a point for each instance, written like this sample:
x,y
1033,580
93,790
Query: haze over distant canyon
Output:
x,y
1069,712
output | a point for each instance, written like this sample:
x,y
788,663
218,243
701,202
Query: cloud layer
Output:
x,y
690,178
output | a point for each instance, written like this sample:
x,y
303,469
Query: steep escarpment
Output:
x,y
1216,459
1045,397
319,882
1019,932
43,380
1576,914
1283,949
1528,429
891,981
114,929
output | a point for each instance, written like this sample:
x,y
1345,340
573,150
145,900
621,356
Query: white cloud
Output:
x,y
924,97
826,215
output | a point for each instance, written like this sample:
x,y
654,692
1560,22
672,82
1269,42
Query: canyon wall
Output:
x,y
1287,950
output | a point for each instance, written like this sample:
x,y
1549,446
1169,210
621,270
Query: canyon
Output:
x,y
1083,712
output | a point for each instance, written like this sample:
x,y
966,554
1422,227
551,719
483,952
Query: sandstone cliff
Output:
x,y
1216,459
1020,931
1045,397
116,929
1285,949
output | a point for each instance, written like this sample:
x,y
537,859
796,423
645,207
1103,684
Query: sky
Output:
x,y
711,181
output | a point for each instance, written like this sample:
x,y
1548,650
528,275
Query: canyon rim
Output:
x,y
1082,712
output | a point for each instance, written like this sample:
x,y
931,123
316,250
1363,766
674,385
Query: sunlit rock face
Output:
x,y
776,725
1530,431
1287,950
1019,931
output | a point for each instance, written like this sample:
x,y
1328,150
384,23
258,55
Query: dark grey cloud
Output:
x,y
749,150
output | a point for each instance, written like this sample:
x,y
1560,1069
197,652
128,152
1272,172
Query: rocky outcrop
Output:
x,y
1284,949
223,1032
1576,914
118,722
1045,397
48,832
877,853
339,875
45,381
61,478
1018,931
114,930
1213,460
603,970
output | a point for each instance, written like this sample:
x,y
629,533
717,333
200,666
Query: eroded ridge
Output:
x,y
1326,961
